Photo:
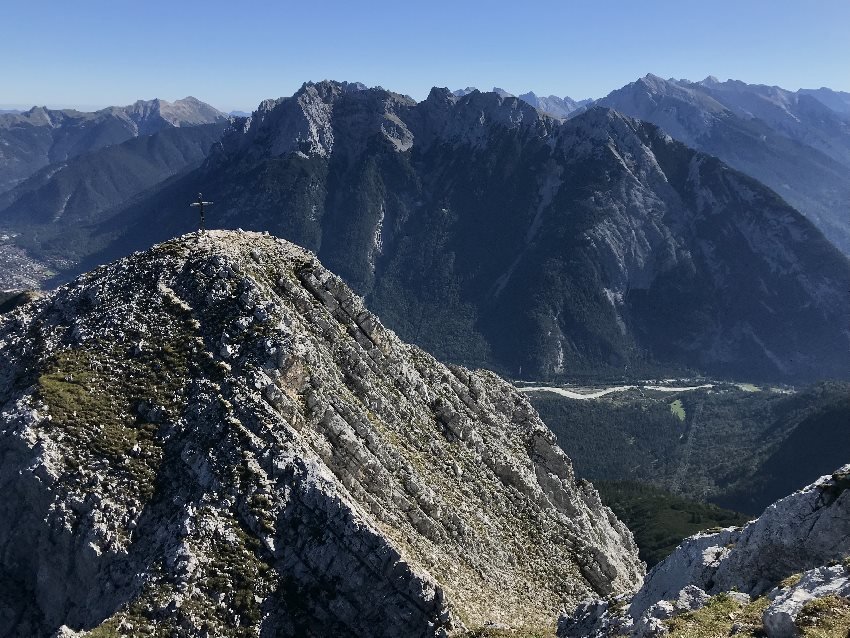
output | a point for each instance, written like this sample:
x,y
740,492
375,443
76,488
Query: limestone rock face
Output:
x,y
216,438
780,617
803,532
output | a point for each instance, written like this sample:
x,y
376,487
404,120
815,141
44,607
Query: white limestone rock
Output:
x,y
303,474
804,530
779,618
800,533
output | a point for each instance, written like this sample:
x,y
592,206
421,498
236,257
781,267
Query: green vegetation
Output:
x,y
101,399
716,619
677,409
827,617
237,574
108,629
233,574
749,387
741,450
790,581
660,520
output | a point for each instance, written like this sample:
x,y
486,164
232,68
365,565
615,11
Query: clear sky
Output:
x,y
100,52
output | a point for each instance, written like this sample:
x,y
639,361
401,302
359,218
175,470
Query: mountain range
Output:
x,y
554,106
36,138
58,202
791,142
492,234
218,436
796,142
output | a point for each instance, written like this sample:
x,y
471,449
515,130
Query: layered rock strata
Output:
x,y
216,438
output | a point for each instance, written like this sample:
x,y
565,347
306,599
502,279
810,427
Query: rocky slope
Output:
x,y
620,247
776,575
30,141
792,142
216,438
798,115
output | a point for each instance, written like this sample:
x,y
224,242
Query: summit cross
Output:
x,y
200,204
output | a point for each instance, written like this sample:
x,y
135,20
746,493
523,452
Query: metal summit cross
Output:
x,y
200,204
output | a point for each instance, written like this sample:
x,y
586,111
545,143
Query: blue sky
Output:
x,y
94,52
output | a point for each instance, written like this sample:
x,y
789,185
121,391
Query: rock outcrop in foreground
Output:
x,y
216,438
784,572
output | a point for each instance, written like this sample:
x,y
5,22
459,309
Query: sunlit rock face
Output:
x,y
216,437
778,574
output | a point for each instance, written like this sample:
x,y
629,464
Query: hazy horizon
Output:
x,y
101,54
251,108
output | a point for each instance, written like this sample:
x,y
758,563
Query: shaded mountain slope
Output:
x,y
493,235
55,205
798,115
838,101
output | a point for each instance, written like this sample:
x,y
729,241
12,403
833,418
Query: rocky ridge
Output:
x,y
553,105
774,575
215,437
622,248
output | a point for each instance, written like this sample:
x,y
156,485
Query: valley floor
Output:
x,y
582,393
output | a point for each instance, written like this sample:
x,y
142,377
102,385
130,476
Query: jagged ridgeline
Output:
x,y
215,437
494,236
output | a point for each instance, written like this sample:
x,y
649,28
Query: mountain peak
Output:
x,y
654,82
442,96
329,87
151,115
254,429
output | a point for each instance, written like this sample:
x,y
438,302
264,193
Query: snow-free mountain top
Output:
x,y
40,136
144,114
790,141
620,246
216,434
554,106
151,114
838,101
